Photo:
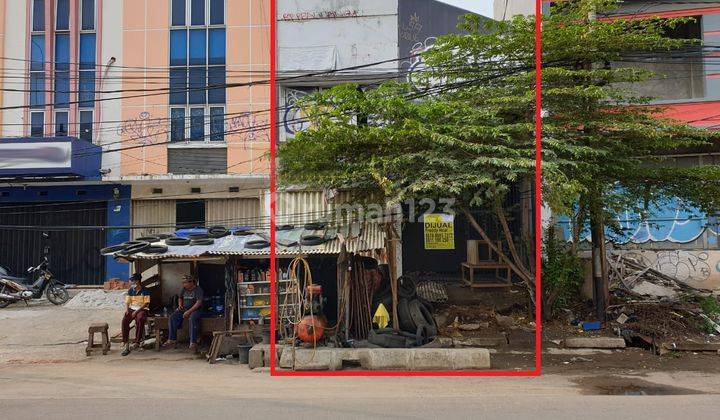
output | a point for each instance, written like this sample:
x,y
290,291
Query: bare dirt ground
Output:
x,y
44,373
46,334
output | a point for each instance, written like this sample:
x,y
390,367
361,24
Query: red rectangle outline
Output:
x,y
538,239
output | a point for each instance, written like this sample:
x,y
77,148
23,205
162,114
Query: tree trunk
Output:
x,y
508,235
577,225
601,293
527,277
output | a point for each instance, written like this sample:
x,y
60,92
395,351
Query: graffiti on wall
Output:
x,y
320,14
144,129
410,30
700,269
247,127
671,221
415,65
294,119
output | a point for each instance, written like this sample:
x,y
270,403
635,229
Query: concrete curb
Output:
x,y
386,359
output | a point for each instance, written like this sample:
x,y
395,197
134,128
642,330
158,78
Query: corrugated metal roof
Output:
x,y
358,237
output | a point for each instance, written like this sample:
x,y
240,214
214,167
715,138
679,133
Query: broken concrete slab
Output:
x,y
647,288
595,342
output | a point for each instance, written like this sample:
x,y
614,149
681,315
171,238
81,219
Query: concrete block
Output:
x,y
464,359
595,342
429,359
426,359
311,359
386,359
256,357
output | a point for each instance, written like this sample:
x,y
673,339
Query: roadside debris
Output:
x,y
634,278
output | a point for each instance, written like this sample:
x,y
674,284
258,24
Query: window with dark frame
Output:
x,y
61,70
197,70
37,69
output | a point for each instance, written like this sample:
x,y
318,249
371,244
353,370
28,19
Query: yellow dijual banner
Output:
x,y
439,231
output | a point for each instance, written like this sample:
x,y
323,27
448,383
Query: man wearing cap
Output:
x,y
136,305
189,307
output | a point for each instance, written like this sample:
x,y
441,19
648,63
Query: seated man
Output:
x,y
136,306
189,307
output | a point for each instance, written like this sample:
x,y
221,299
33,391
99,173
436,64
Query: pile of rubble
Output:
x,y
638,280
652,308
97,299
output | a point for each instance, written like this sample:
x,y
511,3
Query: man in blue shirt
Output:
x,y
137,302
189,307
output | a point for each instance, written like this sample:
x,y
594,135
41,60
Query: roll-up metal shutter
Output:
x,y
157,215
232,212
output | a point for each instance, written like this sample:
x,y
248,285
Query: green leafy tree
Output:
x,y
465,128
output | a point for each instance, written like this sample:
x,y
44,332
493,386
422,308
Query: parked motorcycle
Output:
x,y
14,289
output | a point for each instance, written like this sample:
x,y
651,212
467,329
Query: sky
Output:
x,y
484,7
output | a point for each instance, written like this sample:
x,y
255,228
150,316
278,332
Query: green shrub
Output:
x,y
563,273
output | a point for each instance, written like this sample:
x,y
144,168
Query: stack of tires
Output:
x,y
417,325
158,244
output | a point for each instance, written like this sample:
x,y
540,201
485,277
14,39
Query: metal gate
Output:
x,y
73,253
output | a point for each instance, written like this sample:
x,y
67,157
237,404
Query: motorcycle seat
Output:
x,y
21,280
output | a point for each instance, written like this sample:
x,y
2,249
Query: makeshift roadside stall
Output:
x,y
232,267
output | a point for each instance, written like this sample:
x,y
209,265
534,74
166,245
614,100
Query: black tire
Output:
x,y
422,317
149,238
177,241
257,244
110,250
315,226
218,232
204,241
406,288
285,227
404,317
57,295
244,232
164,235
312,240
194,236
135,248
422,335
387,339
156,249
4,302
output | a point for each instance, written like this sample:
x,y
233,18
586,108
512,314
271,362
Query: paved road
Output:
x,y
509,407
169,386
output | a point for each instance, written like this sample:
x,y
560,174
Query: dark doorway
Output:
x,y
189,213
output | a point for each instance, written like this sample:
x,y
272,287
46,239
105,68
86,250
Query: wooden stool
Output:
x,y
102,328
